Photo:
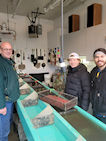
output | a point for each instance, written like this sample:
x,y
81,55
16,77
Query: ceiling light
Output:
x,y
67,2
51,5
54,3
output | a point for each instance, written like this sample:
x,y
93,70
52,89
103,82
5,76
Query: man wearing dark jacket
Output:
x,y
98,85
77,81
9,89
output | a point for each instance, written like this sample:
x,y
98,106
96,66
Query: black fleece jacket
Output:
x,y
78,84
98,91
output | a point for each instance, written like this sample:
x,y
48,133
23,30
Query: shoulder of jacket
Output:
x,y
105,70
84,75
2,64
94,70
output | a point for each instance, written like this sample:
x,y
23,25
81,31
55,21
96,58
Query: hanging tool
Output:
x,y
21,66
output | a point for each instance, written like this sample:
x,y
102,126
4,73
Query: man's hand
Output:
x,y
3,111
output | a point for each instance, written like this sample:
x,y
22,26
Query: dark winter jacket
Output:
x,y
9,85
98,91
78,84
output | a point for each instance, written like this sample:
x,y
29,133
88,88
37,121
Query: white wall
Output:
x,y
23,42
86,40
54,38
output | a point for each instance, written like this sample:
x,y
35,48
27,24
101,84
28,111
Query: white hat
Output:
x,y
74,55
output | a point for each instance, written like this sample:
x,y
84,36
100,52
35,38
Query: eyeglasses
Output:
x,y
6,49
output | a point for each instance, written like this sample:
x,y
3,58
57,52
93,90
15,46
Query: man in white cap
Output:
x,y
77,81
98,85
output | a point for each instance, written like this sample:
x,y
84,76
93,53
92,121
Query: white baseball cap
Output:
x,y
74,55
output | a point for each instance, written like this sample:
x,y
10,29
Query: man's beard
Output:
x,y
102,64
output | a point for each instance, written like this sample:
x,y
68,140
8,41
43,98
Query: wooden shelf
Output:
x,y
94,14
73,23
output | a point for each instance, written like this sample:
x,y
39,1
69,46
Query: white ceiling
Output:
x,y
25,7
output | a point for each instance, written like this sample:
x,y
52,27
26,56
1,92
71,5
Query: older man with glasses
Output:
x,y
9,89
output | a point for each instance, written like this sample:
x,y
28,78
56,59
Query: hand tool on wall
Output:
x,y
35,61
32,55
21,66
23,55
44,64
17,53
40,57
49,56
37,64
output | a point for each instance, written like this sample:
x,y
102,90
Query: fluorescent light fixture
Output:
x,y
54,3
67,2
51,5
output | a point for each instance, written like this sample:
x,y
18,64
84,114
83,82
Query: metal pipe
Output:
x,y
62,44
18,4
62,41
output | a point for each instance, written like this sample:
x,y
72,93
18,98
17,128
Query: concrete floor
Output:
x,y
13,136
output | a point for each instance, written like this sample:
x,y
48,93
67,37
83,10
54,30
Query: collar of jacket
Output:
x,y
104,70
80,67
10,61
